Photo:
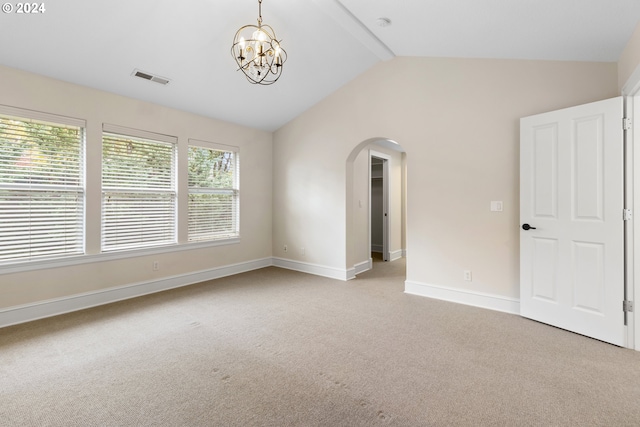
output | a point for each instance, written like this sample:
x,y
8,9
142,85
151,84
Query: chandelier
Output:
x,y
258,53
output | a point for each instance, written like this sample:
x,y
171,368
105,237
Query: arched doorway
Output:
x,y
364,186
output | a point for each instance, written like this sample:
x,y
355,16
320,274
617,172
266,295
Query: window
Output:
x,y
213,191
41,185
138,189
43,189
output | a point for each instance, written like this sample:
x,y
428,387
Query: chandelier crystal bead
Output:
x,y
258,53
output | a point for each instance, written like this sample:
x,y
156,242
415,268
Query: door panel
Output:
x,y
588,273
588,185
571,191
545,171
544,274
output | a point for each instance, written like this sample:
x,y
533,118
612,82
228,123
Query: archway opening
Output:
x,y
376,180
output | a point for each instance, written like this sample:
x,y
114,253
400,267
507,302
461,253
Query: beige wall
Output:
x,y
630,59
29,91
458,120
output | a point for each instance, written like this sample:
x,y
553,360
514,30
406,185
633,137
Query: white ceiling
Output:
x,y
99,43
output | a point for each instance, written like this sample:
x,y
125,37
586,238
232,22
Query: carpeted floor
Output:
x,y
279,348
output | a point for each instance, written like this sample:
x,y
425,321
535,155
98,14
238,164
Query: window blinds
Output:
x,y
138,191
41,186
213,193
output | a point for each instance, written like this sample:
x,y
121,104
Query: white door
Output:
x,y
571,197
385,210
379,203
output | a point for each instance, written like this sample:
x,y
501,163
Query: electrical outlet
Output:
x,y
156,266
467,275
285,248
302,251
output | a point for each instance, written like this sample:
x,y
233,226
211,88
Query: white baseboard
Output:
x,y
48,308
476,299
363,266
316,269
43,309
394,255
360,267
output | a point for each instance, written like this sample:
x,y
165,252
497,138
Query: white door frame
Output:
x,y
386,256
631,92
632,158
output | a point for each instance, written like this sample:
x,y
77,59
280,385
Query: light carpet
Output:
x,y
275,347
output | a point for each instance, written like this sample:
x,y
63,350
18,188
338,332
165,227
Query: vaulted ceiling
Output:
x,y
99,43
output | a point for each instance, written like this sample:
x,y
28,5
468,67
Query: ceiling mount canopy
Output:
x,y
258,53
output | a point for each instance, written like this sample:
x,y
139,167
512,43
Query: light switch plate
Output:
x,y
496,206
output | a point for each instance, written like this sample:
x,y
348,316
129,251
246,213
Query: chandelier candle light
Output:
x,y
258,53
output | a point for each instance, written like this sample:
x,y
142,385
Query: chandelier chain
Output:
x,y
259,13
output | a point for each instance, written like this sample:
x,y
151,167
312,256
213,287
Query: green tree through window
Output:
x,y
213,194
41,189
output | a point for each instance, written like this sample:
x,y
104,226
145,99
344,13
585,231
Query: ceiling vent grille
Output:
x,y
150,77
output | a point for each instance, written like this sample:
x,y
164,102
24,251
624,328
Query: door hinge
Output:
x,y
627,306
626,123
626,214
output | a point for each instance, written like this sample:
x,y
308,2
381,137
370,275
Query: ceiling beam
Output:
x,y
355,27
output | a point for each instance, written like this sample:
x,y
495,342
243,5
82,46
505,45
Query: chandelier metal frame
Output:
x,y
258,53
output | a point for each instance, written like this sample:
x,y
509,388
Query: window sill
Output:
x,y
24,266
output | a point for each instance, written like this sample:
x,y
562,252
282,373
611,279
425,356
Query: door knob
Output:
x,y
526,227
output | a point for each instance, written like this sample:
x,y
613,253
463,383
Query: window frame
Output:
x,y
234,191
145,137
92,192
79,189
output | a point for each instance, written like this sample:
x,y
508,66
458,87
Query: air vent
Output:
x,y
150,77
